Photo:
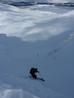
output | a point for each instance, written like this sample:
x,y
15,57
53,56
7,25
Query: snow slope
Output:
x,y
40,36
61,1
40,0
6,92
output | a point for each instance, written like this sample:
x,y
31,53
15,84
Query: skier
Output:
x,y
33,72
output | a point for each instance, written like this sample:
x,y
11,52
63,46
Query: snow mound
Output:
x,y
27,88
15,93
35,23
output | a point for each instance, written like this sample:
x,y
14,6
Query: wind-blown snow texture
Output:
x,y
40,36
40,0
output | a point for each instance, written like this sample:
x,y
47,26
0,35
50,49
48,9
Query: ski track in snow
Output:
x,y
62,45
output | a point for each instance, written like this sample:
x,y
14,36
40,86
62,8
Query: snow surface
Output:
x,y
56,1
40,36
60,1
15,93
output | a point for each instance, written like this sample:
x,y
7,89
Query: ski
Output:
x,y
38,78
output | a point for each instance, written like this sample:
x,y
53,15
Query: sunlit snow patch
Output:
x,y
15,93
29,24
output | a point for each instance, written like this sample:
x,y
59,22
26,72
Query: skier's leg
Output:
x,y
34,76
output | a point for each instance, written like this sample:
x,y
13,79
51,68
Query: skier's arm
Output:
x,y
37,71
